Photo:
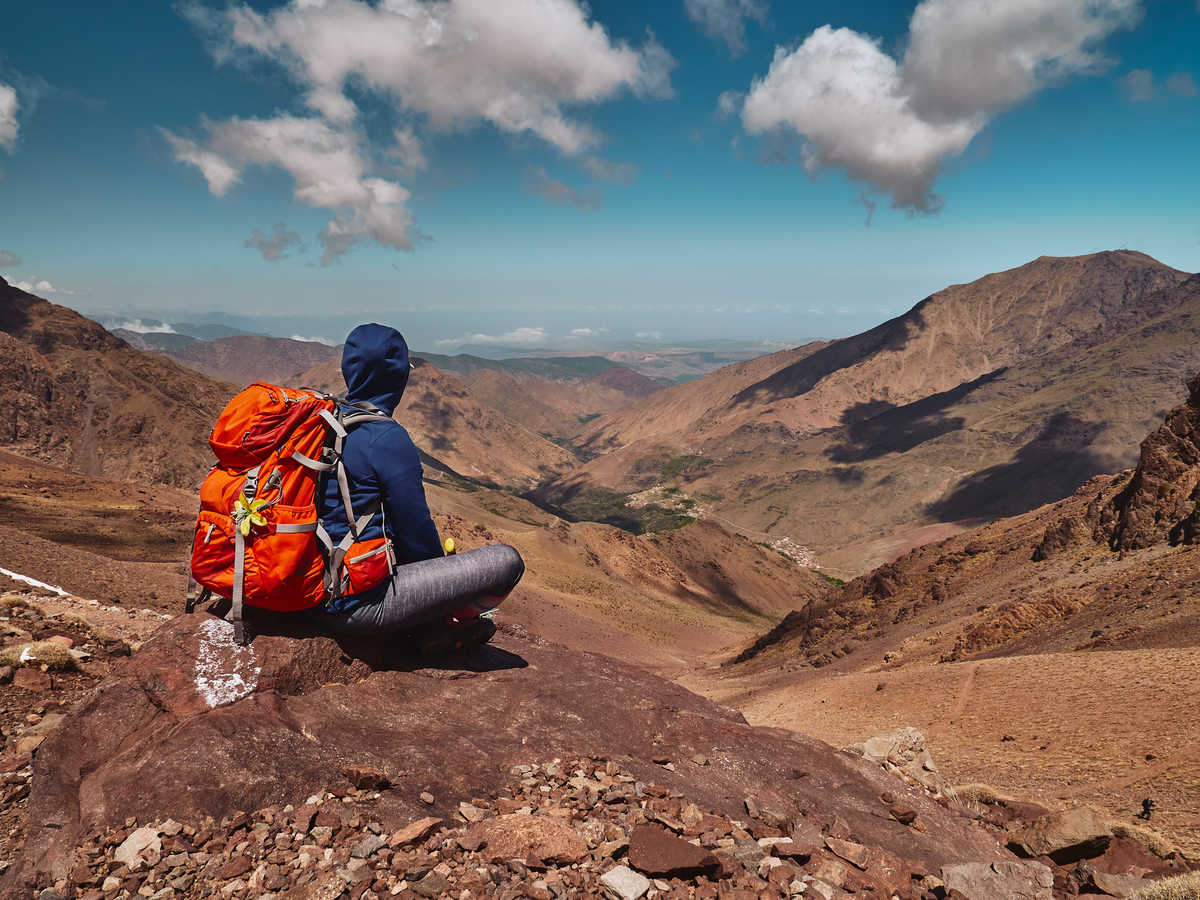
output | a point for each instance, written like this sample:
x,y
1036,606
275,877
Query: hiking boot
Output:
x,y
463,637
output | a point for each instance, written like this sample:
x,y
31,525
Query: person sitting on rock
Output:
x,y
444,600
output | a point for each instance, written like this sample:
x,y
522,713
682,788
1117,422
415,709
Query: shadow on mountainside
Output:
x,y
1048,468
871,433
803,376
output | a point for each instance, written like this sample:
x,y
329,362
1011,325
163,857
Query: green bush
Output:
x,y
687,464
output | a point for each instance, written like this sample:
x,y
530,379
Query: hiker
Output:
x,y
381,463
316,510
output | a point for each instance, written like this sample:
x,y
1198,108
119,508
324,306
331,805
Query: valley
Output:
x,y
933,524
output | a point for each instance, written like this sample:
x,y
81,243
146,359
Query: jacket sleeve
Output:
x,y
398,467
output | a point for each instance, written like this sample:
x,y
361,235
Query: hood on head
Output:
x,y
375,365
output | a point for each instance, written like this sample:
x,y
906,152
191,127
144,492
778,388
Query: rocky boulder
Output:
x,y
903,753
1065,836
1160,502
194,726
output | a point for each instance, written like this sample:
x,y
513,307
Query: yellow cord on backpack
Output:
x,y
448,546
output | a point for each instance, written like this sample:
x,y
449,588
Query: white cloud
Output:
x,y
514,65
8,116
517,65
273,247
621,173
8,258
520,337
588,332
329,169
1182,84
649,335
725,20
314,340
1138,85
35,285
219,174
141,327
893,124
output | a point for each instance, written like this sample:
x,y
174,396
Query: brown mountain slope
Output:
x,y
74,395
672,412
1075,619
245,358
660,600
450,425
891,476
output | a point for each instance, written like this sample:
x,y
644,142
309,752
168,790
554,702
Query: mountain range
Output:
x,y
1012,586
984,400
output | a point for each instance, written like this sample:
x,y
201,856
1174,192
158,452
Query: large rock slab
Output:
x,y
1066,836
1016,880
192,725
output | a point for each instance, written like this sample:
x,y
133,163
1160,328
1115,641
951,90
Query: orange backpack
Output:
x,y
259,539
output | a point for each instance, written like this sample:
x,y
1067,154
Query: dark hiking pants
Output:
x,y
425,591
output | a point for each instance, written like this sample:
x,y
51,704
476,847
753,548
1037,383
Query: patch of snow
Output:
x,y
33,582
225,670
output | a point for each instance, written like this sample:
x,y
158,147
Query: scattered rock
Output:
x,y
855,854
658,852
624,883
414,832
432,885
141,841
537,840
367,778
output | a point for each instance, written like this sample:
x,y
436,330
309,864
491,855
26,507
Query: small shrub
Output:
x,y
584,419
10,602
54,657
1148,837
1178,887
836,582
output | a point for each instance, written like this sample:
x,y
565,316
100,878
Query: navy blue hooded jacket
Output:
x,y
380,458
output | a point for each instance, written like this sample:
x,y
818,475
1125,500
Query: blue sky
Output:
x,y
689,168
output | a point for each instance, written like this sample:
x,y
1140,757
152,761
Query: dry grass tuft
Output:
x,y
10,602
982,793
54,657
96,632
1149,838
1178,887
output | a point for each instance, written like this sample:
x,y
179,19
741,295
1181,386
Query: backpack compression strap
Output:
x,y
249,490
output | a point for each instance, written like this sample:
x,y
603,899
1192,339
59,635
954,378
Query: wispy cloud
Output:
x,y
8,116
8,258
893,122
1138,85
621,173
539,183
1182,84
273,246
525,336
725,20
